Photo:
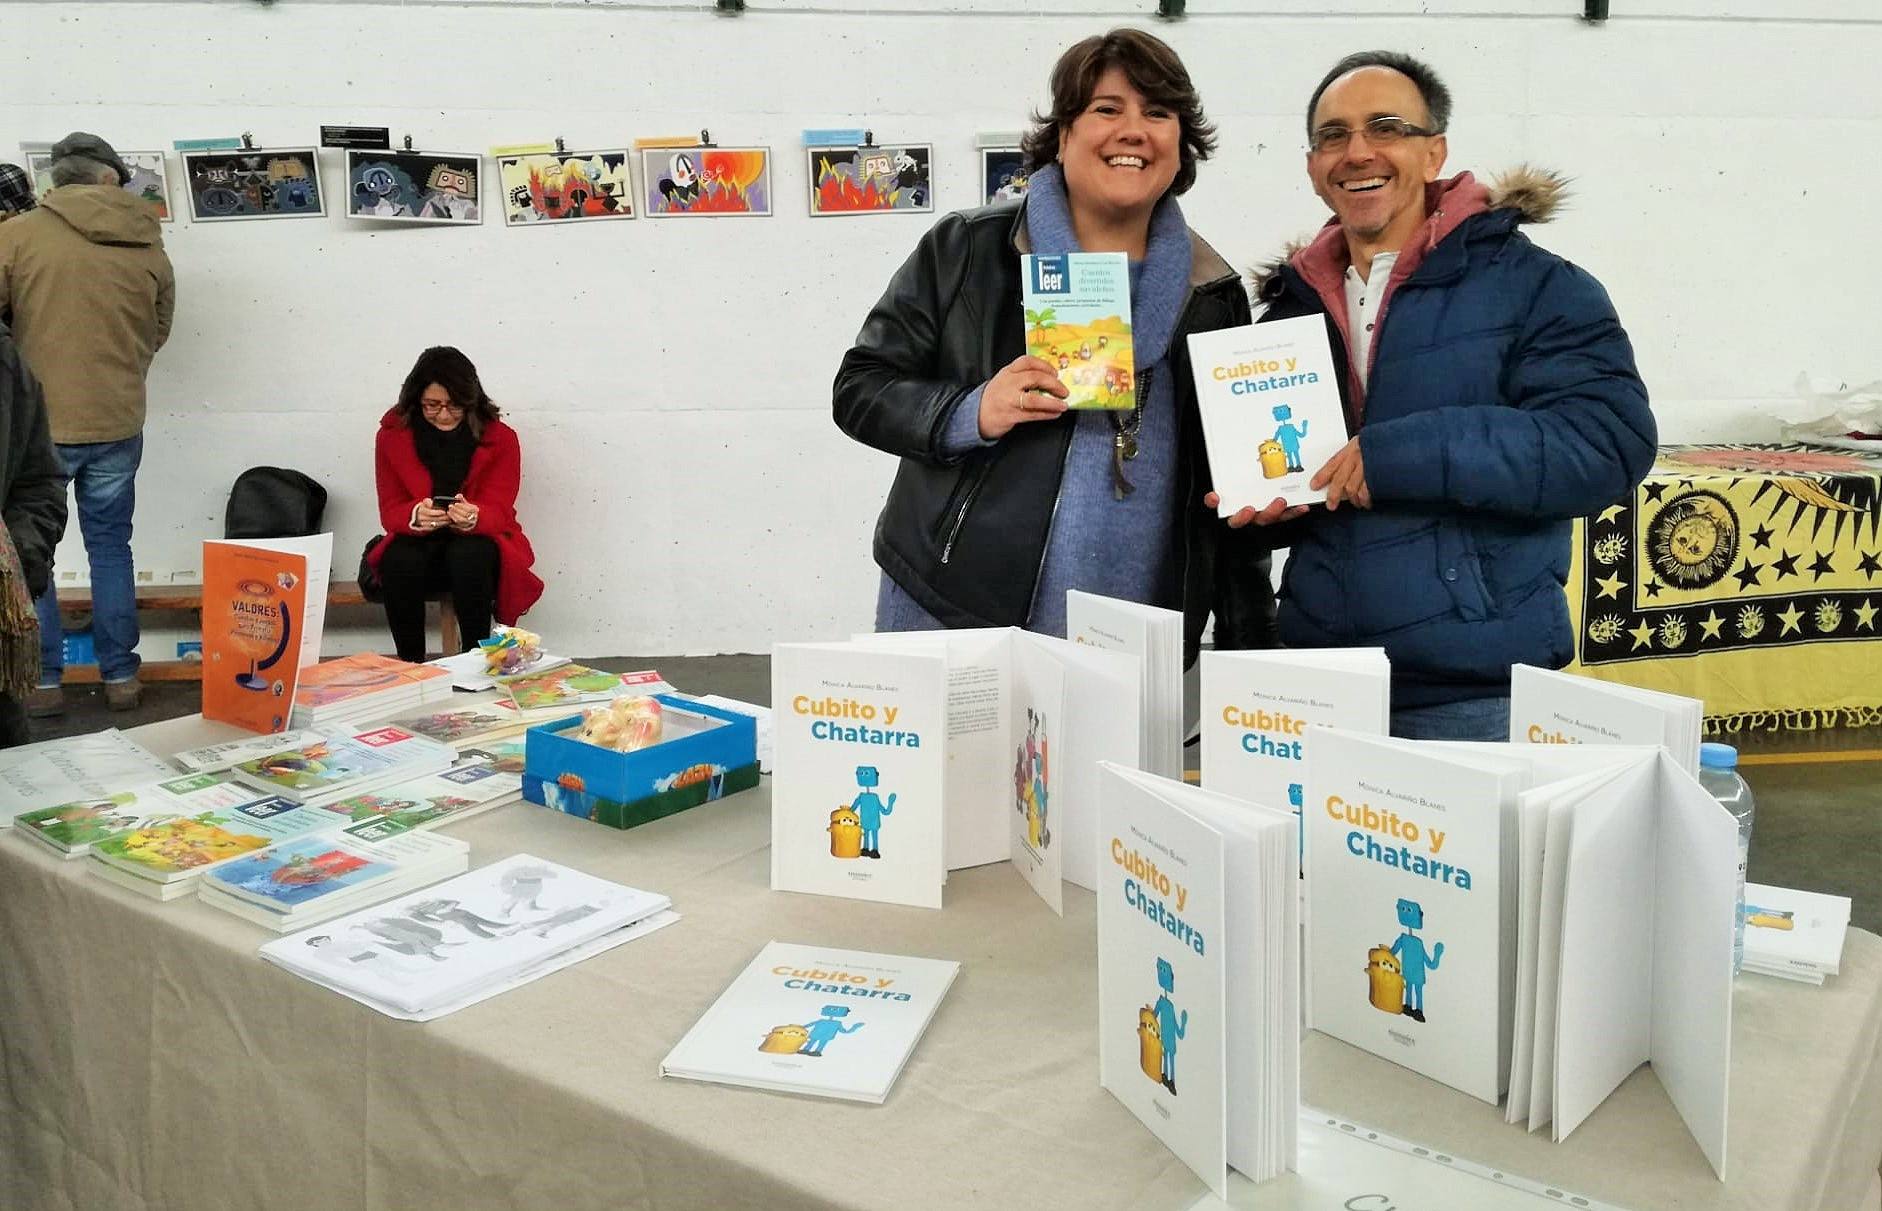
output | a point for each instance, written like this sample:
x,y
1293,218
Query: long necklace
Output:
x,y
1124,439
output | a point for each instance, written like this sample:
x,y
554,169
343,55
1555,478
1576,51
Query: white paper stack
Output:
x,y
74,768
430,952
363,688
315,878
816,1020
339,766
1155,637
1794,935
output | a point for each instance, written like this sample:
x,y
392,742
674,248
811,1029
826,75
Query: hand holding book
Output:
x,y
1026,388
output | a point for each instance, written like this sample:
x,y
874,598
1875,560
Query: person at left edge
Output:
x,y
443,440
1004,499
32,500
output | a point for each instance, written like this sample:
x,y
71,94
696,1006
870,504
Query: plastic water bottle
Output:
x,y
1718,773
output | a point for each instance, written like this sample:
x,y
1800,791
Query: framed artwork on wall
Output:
x,y
565,187
871,180
709,181
253,183
413,186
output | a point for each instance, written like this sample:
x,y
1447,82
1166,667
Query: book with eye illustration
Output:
x,y
1077,308
430,952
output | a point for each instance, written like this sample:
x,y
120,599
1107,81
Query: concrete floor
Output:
x,y
1819,794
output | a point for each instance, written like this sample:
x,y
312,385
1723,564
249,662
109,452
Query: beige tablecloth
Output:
x,y
151,1060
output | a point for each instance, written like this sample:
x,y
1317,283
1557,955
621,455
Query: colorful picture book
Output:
x,y
330,768
159,859
1078,319
1549,707
1271,412
1259,709
465,722
433,951
568,685
74,768
1536,920
1199,972
469,788
72,828
815,1020
1794,935
233,752
365,687
314,878
254,620
1155,637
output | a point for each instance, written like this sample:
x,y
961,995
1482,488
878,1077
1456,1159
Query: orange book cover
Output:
x,y
254,609
347,677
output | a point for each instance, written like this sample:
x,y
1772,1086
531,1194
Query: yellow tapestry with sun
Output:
x,y
1748,576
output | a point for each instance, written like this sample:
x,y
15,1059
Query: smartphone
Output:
x,y
443,502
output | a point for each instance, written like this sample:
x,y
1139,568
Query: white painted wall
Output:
x,y
684,485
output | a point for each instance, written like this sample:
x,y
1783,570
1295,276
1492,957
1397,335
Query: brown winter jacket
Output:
x,y
91,294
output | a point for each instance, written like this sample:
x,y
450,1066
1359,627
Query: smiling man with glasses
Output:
x,y
1491,398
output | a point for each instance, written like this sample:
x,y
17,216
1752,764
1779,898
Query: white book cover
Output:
x,y
436,946
1271,414
1794,930
72,769
1155,636
857,801
232,752
1550,707
1258,709
816,1020
1406,930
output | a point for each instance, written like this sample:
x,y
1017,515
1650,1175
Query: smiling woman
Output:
x,y
1005,499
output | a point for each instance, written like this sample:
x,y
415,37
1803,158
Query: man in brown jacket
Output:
x,y
91,294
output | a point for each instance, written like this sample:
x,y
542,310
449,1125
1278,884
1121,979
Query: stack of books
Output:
x,y
363,688
472,786
333,767
1794,935
569,687
816,1020
433,951
70,829
233,752
75,767
164,859
1155,637
466,721
311,879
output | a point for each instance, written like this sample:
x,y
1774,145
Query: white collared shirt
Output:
x,y
1363,296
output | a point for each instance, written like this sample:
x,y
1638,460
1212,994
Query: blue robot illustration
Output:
x,y
1409,949
870,809
1170,1027
825,1028
1289,435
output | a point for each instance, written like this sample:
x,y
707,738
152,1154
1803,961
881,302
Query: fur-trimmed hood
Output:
x,y
1536,194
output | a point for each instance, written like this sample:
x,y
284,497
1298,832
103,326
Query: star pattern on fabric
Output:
x,y
1785,565
1643,636
1748,575
1611,514
1865,615
1790,616
1762,538
1609,586
1868,565
1820,567
1710,625
1654,491
1652,587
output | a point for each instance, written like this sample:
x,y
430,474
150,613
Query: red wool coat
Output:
x,y
496,471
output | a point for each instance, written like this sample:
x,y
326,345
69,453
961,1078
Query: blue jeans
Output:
x,y
1470,719
104,477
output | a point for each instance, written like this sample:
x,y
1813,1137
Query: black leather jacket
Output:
x,y
966,537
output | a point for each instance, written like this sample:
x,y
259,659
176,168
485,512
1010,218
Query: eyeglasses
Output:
x,y
432,407
1380,132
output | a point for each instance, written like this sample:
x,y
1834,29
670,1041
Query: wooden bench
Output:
x,y
190,597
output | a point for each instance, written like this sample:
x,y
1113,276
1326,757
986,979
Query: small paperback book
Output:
x,y
1548,707
74,768
325,769
816,1020
233,752
162,859
469,788
857,800
313,878
1271,414
254,622
1199,972
568,685
1796,935
464,724
1078,319
72,828
433,951
1155,637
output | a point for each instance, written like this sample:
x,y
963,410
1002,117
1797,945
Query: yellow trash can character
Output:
x,y
785,1040
1149,1044
1273,459
846,834
1385,985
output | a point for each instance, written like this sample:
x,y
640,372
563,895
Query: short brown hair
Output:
x,y
1153,70
450,369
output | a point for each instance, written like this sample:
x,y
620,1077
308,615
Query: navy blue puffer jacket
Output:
x,y
1502,403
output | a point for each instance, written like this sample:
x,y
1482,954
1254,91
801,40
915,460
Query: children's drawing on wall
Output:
x,y
150,176
253,183
868,180
1032,781
413,187
565,187
1002,173
706,180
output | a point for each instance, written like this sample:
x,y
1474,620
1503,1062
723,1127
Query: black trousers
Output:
x,y
417,566
12,722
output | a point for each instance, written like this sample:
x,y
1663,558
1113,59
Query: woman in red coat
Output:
x,y
448,471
